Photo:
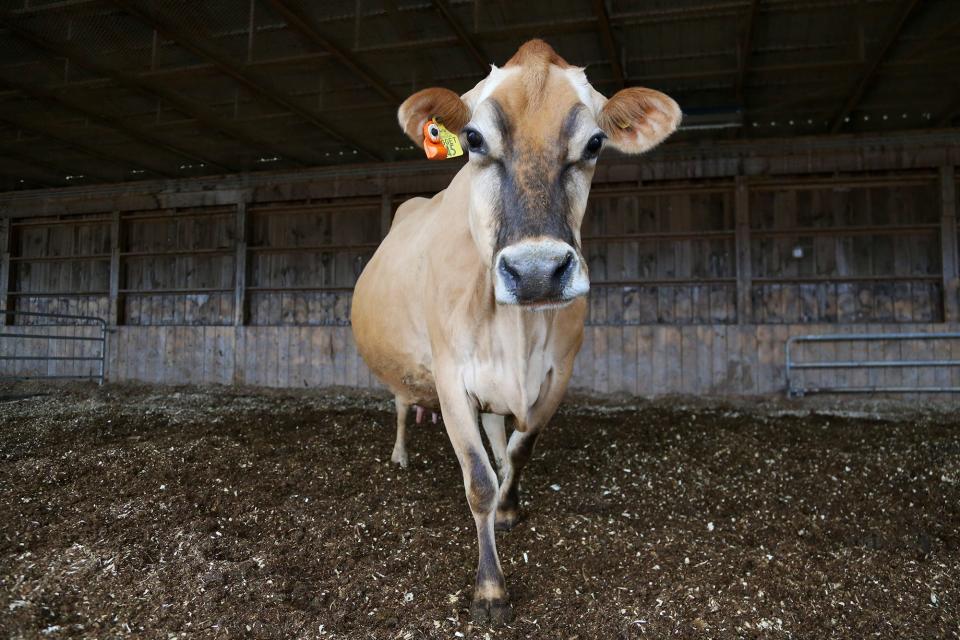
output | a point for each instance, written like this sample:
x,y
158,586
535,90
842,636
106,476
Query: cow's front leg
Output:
x,y
490,602
494,427
519,450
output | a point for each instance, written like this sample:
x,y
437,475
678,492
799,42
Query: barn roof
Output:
x,y
95,91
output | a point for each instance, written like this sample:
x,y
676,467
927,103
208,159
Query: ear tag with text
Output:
x,y
439,143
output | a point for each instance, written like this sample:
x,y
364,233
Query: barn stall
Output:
x,y
190,192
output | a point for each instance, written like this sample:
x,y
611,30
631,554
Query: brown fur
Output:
x,y
425,317
535,58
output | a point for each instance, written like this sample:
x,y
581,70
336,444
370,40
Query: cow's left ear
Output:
x,y
418,108
637,119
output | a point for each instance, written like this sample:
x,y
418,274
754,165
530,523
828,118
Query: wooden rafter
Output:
x,y
609,45
305,26
245,78
951,111
744,47
136,133
900,17
124,164
144,86
466,41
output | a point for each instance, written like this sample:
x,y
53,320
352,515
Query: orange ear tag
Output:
x,y
438,142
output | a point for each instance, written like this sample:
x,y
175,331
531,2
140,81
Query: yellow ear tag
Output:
x,y
440,143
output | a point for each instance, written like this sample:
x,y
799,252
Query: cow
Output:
x,y
474,303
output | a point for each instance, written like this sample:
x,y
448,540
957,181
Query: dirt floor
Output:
x,y
151,512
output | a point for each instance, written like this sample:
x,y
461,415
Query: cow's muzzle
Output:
x,y
539,273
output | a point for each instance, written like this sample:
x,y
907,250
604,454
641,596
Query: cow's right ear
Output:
x,y
421,106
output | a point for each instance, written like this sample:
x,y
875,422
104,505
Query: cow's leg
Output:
x,y
490,602
519,451
399,455
496,432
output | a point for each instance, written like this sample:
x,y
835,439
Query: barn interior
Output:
x,y
209,178
189,191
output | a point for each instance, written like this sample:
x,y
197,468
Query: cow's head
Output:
x,y
534,129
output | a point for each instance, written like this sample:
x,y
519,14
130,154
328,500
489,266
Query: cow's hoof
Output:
x,y
496,611
506,519
400,458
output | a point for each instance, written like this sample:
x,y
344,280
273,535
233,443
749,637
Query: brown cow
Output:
x,y
474,305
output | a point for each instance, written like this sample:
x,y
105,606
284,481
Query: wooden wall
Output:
x,y
696,282
645,360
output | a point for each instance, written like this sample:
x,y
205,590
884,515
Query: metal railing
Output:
x,y
22,332
795,389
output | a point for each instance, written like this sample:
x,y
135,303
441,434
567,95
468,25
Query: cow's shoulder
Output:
x,y
409,209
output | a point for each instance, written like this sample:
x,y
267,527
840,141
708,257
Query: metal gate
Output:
x,y
91,348
794,388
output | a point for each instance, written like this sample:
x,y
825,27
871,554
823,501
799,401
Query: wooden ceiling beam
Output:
x,y
901,16
130,131
141,84
606,39
245,78
11,151
124,164
744,47
951,111
300,22
466,41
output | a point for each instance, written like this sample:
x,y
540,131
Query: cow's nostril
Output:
x,y
508,269
564,265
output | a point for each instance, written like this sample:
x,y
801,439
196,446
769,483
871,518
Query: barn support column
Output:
x,y
948,243
742,241
386,213
114,312
6,241
242,223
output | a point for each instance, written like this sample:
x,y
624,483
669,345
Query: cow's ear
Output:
x,y
422,105
636,119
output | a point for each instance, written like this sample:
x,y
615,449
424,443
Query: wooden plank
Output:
x,y
948,243
688,360
115,302
629,339
673,359
742,248
615,358
704,350
645,360
764,359
6,246
722,362
242,231
601,354
780,335
659,364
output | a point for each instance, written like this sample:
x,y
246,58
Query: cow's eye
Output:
x,y
594,145
474,140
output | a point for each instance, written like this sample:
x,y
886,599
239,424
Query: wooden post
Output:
x,y
6,242
115,309
948,243
386,213
742,242
240,315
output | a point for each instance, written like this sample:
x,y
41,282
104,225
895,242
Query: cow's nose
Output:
x,y
536,272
